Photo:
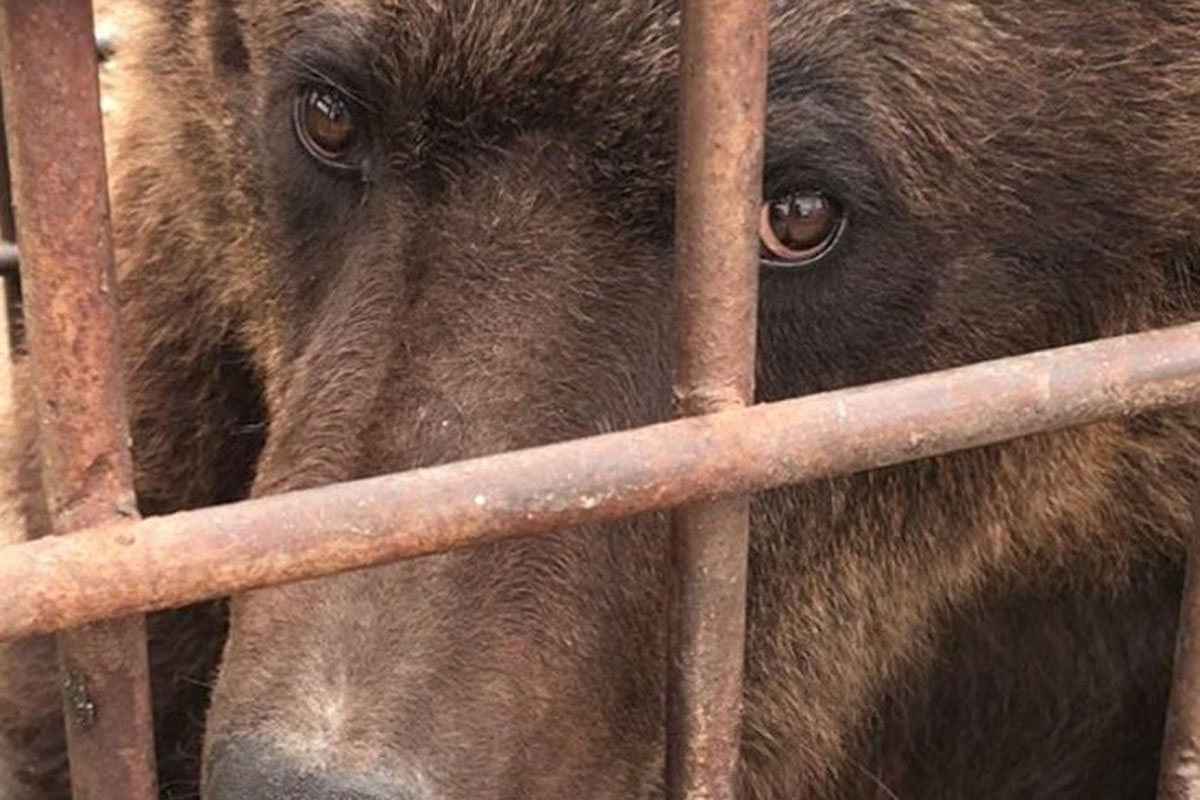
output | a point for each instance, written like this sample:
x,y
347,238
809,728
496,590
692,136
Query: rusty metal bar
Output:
x,y
10,259
10,277
1179,777
173,560
722,111
56,149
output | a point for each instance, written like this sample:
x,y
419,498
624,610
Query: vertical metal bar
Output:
x,y
11,278
55,144
1179,777
10,282
723,68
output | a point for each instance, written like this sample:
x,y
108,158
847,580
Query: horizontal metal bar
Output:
x,y
167,561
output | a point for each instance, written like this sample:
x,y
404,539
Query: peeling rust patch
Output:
x,y
79,702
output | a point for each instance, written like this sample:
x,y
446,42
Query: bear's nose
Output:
x,y
251,772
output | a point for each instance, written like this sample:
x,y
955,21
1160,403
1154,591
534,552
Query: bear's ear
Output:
x,y
225,33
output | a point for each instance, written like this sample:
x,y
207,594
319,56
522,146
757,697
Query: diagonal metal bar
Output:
x,y
56,150
168,561
1179,777
722,111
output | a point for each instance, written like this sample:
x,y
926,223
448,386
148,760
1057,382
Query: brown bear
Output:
x,y
361,236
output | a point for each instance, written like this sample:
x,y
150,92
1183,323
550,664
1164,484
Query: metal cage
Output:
x,y
93,581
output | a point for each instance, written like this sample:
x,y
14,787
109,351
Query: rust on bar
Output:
x,y
56,152
174,560
10,276
1179,777
10,259
722,112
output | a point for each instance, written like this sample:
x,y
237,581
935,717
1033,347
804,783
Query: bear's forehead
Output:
x,y
482,45
487,51
612,63
920,83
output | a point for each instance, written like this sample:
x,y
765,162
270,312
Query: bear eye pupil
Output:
x,y
799,228
327,126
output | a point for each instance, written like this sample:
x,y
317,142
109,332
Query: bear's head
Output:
x,y
363,236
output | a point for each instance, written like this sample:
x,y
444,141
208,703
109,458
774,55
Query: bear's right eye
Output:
x,y
328,125
799,228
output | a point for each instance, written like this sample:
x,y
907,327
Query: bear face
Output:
x,y
359,237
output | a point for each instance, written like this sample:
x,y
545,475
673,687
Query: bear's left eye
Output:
x,y
329,126
799,228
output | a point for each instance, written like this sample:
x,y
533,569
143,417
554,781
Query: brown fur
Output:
x,y
995,624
